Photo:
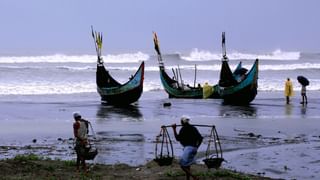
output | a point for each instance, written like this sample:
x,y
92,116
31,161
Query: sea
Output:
x,y
69,74
39,93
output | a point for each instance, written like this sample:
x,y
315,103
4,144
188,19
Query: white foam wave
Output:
x,y
217,67
203,55
202,67
46,88
289,66
120,58
56,88
152,86
278,85
61,58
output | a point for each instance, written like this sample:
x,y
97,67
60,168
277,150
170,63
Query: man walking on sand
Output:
x,y
80,131
190,139
288,90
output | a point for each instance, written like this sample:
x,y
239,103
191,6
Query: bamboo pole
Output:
x,y
181,80
195,75
177,73
174,74
198,125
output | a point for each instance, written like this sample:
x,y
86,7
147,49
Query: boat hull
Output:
x,y
123,94
244,92
174,91
120,98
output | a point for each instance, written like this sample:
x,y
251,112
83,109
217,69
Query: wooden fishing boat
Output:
x,y
239,87
177,88
110,90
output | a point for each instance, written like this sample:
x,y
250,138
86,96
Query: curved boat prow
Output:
x,y
110,90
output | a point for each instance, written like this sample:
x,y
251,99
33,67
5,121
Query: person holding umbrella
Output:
x,y
304,83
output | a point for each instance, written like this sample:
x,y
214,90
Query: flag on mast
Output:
x,y
224,50
156,43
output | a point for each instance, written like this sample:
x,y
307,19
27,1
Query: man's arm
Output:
x,y
76,126
199,138
199,141
174,127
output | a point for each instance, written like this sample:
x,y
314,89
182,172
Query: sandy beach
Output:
x,y
267,138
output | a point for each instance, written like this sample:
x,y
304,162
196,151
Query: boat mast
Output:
x,y
224,49
195,75
177,73
97,38
157,48
174,74
181,80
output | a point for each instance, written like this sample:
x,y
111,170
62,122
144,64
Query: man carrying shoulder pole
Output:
x,y
190,139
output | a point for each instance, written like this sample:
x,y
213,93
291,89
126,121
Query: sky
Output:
x,y
63,26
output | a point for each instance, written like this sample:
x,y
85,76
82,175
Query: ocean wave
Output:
x,y
47,88
288,67
217,67
44,88
202,67
61,58
278,85
203,55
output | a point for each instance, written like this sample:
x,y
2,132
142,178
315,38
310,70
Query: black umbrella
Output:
x,y
303,80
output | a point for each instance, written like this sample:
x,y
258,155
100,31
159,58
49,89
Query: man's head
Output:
x,y
185,120
76,116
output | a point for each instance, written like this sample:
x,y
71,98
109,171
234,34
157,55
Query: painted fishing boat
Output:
x,y
238,87
111,91
175,87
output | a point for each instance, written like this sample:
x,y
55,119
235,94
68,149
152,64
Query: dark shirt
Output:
x,y
189,136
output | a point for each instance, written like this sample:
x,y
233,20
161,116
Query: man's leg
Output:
x,y
306,98
83,163
78,162
187,170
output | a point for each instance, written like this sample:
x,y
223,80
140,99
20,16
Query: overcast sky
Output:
x,y
63,26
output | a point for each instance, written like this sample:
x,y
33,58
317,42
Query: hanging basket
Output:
x,y
90,153
213,162
164,161
214,156
163,148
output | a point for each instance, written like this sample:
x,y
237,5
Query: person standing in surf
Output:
x,y
288,90
304,94
190,139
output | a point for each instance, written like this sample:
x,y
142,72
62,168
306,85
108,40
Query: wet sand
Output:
x,y
268,137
